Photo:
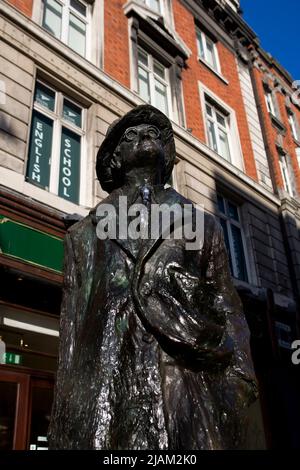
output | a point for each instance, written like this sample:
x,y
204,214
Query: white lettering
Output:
x,y
36,168
66,171
66,181
67,143
67,152
36,177
67,161
66,193
38,142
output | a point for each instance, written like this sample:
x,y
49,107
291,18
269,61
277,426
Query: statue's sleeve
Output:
x,y
66,341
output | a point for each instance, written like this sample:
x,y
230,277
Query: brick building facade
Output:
x,y
68,68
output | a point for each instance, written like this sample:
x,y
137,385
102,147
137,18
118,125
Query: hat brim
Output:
x,y
144,114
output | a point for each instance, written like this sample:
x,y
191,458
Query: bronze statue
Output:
x,y
154,346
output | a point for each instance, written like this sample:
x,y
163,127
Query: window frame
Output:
x,y
161,11
239,224
202,38
218,127
237,158
293,125
65,26
59,122
285,173
151,59
271,103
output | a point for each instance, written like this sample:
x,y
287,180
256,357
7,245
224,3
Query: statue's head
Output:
x,y
143,138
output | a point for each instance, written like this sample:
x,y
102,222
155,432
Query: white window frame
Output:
x,y
38,15
285,175
293,124
201,36
58,123
234,138
297,150
161,7
218,127
153,76
229,221
271,106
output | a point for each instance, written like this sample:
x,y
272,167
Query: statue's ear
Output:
x,y
115,161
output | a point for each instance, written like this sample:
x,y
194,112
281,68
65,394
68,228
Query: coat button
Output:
x,y
146,289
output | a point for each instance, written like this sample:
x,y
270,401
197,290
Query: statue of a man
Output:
x,y
154,346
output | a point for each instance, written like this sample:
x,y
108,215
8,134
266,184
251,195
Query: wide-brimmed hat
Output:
x,y
144,114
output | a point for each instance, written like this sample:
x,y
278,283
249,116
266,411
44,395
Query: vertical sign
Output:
x,y
69,173
38,169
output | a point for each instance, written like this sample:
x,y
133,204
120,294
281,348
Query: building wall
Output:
x,y
228,91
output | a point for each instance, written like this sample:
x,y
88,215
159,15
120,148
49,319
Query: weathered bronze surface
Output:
x,y
154,346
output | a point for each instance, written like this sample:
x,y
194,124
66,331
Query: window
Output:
x,y
286,176
233,236
68,20
298,155
56,140
153,82
271,103
294,126
207,50
218,130
154,5
284,335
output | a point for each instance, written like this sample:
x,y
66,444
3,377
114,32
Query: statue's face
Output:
x,y
141,146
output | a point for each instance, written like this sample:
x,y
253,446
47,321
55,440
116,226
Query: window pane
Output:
x,y
38,170
72,113
226,239
52,17
200,46
69,173
209,110
77,30
221,204
221,120
159,69
44,96
212,136
239,253
143,58
79,7
144,89
154,5
224,145
210,53
161,97
233,211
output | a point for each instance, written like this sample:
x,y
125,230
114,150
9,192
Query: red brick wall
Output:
x,y
116,44
25,6
231,94
289,143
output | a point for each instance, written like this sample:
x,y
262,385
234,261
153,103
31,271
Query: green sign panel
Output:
x,y
38,170
12,358
31,245
72,113
69,173
44,96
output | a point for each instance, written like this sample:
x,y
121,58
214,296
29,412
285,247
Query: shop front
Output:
x,y
31,259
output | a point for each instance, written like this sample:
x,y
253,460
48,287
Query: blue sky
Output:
x,y
277,24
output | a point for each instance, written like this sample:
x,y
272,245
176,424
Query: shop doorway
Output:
x,y
25,406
